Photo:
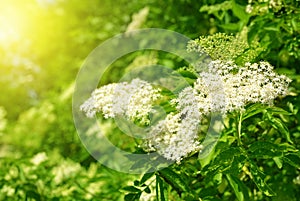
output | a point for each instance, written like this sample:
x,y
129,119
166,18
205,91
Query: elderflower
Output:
x,y
224,87
133,100
177,136
219,46
39,158
227,87
260,7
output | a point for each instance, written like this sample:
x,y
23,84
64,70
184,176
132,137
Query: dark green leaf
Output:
x,y
33,194
160,184
229,161
293,159
146,177
278,111
240,189
264,145
265,150
253,110
147,190
235,166
258,178
131,189
132,196
174,179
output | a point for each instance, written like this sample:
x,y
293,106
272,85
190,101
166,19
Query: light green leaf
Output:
x,y
240,12
278,161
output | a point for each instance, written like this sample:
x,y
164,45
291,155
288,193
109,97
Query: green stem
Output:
x,y
239,127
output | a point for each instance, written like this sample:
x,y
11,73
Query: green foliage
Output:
x,y
256,158
56,178
275,24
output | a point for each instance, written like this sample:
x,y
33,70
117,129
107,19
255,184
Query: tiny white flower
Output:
x,y
39,158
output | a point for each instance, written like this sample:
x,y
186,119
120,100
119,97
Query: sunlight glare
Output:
x,y
12,25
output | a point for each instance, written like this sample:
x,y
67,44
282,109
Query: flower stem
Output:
x,y
239,127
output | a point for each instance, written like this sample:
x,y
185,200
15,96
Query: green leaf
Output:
x,y
131,189
278,161
253,110
225,158
265,150
33,194
264,145
175,180
229,161
230,26
240,189
278,111
187,73
217,179
240,12
146,177
147,190
280,126
293,159
236,165
160,196
132,196
258,178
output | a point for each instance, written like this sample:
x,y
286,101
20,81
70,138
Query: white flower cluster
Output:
x,y
227,87
262,6
253,83
223,87
177,135
133,100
